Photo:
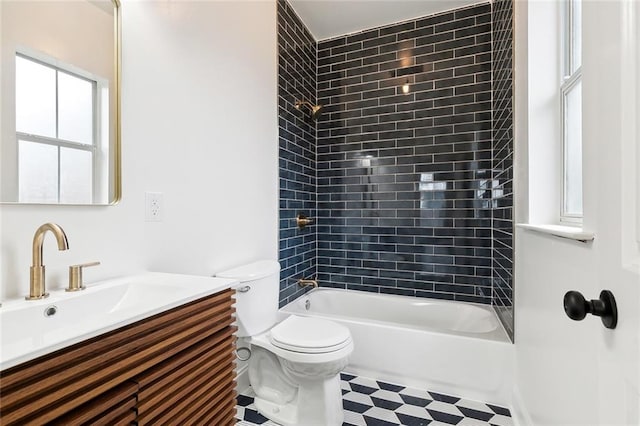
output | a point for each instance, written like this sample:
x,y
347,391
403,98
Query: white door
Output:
x,y
569,372
611,84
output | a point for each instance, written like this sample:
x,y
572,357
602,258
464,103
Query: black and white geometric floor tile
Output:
x,y
369,402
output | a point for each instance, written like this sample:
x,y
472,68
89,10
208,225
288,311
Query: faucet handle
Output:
x,y
302,221
75,276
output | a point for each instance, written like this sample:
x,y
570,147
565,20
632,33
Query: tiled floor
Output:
x,y
368,402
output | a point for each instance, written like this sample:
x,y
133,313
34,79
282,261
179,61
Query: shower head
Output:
x,y
314,110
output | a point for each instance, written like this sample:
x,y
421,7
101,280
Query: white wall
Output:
x,y
199,124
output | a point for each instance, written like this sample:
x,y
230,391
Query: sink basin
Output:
x,y
29,329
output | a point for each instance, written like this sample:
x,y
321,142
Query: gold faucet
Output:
x,y
308,282
302,221
36,284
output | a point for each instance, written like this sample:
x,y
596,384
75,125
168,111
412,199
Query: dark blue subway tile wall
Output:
x,y
297,152
404,180
502,213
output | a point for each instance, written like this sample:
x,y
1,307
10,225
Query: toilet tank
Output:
x,y
256,295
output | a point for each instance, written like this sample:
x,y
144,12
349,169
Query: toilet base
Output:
x,y
318,403
285,415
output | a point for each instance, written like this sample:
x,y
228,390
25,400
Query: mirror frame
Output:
x,y
117,148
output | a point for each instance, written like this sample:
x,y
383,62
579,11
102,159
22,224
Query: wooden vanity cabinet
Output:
x,y
175,368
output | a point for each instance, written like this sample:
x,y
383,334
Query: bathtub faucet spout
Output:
x,y
308,282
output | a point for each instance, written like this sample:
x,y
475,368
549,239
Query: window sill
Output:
x,y
569,232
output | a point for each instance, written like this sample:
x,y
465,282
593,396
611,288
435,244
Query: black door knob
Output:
x,y
577,307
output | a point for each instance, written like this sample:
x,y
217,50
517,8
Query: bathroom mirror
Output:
x,y
60,102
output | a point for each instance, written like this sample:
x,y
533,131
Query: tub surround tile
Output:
x,y
502,212
297,151
412,192
385,406
418,164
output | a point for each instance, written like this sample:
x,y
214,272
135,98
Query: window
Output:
x,y
56,132
571,110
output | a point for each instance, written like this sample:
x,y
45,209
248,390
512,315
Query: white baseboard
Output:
x,y
519,413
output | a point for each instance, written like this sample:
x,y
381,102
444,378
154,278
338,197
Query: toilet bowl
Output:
x,y
307,354
295,364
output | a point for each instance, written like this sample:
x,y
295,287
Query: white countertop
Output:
x,y
27,332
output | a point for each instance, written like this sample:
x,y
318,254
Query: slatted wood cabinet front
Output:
x,y
175,368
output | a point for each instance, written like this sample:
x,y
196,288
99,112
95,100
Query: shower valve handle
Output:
x,y
302,221
577,307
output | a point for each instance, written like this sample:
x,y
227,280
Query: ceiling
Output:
x,y
330,18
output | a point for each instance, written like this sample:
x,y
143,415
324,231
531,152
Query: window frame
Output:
x,y
571,75
59,143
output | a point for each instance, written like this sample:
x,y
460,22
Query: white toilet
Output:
x,y
295,365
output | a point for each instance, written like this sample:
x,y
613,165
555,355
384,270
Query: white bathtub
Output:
x,y
449,347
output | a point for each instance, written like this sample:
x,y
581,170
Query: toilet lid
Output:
x,y
310,335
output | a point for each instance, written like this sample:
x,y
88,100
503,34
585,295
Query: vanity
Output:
x,y
146,349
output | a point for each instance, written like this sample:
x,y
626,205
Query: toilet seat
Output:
x,y
309,335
